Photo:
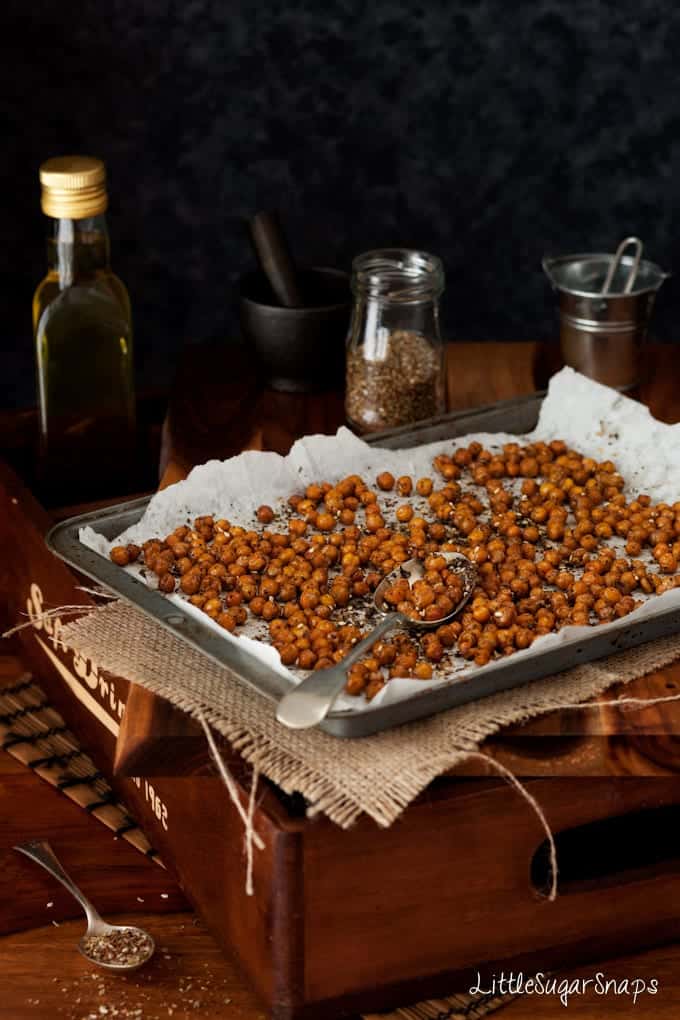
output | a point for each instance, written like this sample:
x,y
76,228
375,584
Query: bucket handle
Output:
x,y
616,261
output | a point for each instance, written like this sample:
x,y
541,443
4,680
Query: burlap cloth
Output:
x,y
377,775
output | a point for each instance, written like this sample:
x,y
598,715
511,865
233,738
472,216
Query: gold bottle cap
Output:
x,y
73,187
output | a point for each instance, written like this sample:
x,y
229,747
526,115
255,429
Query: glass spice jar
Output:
x,y
395,355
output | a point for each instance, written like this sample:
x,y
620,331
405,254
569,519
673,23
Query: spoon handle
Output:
x,y
310,701
40,851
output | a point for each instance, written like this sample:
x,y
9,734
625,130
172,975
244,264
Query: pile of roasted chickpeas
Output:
x,y
554,539
431,597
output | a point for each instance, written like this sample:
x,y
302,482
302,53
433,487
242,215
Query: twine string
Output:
x,y
57,611
48,614
250,829
251,836
512,779
624,703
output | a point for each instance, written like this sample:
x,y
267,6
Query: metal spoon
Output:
x,y
41,852
310,701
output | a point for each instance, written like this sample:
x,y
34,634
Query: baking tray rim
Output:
x,y
62,539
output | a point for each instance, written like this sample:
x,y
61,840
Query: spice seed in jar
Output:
x,y
406,385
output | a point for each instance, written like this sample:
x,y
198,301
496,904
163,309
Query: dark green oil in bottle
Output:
x,y
83,340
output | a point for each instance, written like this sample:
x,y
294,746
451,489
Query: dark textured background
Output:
x,y
488,131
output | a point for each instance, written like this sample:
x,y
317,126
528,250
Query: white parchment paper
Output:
x,y
594,419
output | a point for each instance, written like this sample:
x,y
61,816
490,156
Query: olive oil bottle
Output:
x,y
82,328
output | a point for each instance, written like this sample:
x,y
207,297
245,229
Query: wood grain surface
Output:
x,y
188,979
44,978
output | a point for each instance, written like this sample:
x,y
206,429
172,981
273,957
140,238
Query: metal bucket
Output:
x,y
601,333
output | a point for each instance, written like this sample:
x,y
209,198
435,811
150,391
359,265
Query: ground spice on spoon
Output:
x,y
126,947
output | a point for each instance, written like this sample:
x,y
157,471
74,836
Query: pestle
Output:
x,y
273,254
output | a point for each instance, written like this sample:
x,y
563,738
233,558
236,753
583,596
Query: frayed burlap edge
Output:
x,y
377,775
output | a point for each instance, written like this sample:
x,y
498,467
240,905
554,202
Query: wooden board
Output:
x,y
45,978
31,961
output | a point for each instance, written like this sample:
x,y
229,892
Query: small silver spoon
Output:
x,y
41,852
310,701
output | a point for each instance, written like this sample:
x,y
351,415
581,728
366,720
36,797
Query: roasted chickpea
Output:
x,y
325,522
529,467
314,492
481,612
404,513
227,621
239,613
288,654
504,616
166,583
385,652
270,610
120,555
667,562
212,607
523,638
385,481
374,522
449,633
357,678
482,656
190,582
375,684
307,659
422,670
432,648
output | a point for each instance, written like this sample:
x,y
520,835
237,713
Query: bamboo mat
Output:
x,y
454,1007
34,733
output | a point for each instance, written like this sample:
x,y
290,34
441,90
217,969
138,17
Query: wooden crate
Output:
x,y
368,918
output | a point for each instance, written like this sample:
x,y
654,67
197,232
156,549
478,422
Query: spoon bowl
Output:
x,y
101,937
310,701
413,570
134,946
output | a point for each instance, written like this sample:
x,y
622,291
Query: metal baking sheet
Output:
x,y
516,416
